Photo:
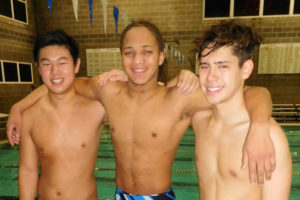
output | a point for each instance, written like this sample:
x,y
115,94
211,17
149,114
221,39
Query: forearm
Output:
x,y
29,100
86,87
258,103
28,180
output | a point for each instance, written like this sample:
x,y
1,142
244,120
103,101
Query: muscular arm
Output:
x,y
258,103
14,121
278,188
88,87
258,150
28,169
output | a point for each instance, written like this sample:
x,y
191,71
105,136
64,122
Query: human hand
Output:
x,y
259,153
187,82
113,75
13,127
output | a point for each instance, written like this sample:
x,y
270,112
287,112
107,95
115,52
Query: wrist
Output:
x,y
259,120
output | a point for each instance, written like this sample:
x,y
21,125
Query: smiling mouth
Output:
x,y
57,81
214,89
139,70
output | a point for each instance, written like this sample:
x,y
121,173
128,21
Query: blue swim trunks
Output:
x,y
169,195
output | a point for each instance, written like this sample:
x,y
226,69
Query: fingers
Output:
x,y
9,133
113,75
273,162
188,85
252,172
244,161
260,173
268,169
103,78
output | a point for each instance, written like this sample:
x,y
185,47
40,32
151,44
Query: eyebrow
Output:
x,y
144,46
60,58
217,62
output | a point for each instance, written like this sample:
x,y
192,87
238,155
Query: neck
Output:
x,y
142,91
64,100
231,111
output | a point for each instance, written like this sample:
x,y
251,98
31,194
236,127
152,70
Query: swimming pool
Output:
x,y
184,176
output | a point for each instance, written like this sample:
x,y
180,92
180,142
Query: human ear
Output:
x,y
77,66
38,67
161,58
247,69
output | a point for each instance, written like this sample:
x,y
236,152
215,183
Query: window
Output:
x,y
272,7
247,8
15,9
297,7
15,72
10,72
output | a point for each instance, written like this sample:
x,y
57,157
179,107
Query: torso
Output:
x,y
67,144
145,135
219,171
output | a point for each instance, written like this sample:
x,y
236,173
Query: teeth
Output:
x,y
139,70
213,89
57,80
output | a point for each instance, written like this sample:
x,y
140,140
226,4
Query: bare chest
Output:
x,y
65,135
153,120
219,152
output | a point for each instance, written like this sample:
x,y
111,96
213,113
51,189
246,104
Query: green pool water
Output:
x,y
184,177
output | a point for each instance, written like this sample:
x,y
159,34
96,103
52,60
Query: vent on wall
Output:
x,y
282,58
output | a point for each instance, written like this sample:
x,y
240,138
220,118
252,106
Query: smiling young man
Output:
x,y
54,130
225,63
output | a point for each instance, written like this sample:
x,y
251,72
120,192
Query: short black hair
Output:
x,y
57,37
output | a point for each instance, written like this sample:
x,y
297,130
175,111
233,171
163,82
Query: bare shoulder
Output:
x,y
91,104
276,131
200,120
29,115
114,87
279,138
196,98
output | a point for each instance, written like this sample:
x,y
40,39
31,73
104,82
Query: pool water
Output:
x,y
184,176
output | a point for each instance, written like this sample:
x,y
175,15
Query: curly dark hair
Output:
x,y
229,33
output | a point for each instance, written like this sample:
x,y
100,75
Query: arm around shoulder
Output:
x,y
258,103
278,188
15,116
28,162
258,150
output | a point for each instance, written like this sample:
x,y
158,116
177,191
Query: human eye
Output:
x,y
128,53
147,52
63,62
223,66
45,64
203,67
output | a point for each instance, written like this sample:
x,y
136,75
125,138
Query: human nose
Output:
x,y
138,58
212,74
54,68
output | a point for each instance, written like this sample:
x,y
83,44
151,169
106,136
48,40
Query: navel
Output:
x,y
154,134
58,193
83,145
41,150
